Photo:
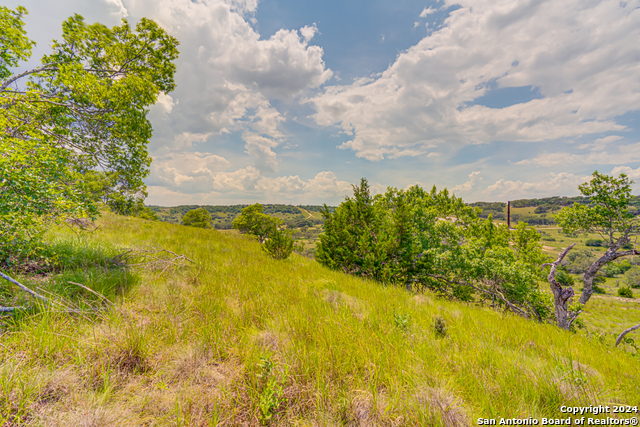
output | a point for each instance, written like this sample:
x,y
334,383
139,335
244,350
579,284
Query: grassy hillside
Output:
x,y
242,339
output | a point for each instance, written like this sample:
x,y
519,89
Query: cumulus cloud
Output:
x,y
426,12
474,179
633,174
576,53
227,75
553,184
188,171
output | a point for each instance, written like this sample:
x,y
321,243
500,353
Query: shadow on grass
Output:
x,y
68,271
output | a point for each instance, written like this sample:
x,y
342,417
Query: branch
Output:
x,y
23,287
24,73
513,307
625,332
574,317
552,273
93,292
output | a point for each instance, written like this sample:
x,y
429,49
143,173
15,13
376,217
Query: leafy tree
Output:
x,y
606,214
277,241
114,193
83,108
252,221
197,218
279,244
433,240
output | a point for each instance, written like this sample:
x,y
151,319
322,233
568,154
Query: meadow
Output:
x,y
238,338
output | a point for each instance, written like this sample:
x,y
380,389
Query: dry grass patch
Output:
x,y
339,299
442,408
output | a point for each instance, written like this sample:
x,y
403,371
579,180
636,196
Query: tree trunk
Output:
x,y
561,296
611,255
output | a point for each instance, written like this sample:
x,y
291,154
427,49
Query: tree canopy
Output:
x,y
197,218
84,108
432,240
606,214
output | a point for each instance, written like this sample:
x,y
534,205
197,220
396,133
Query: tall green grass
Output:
x,y
243,339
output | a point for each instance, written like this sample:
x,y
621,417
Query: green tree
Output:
x,y
606,214
277,241
279,244
197,218
83,108
432,240
253,221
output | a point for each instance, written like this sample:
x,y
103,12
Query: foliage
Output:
x,y
279,243
440,327
83,108
432,240
253,221
197,218
577,261
606,214
625,292
633,279
272,390
564,278
115,193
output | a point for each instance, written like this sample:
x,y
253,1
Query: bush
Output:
x,y
633,279
625,292
577,262
595,243
564,278
279,244
197,218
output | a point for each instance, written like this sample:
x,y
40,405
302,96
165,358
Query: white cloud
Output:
x,y
577,53
189,172
625,154
227,74
553,185
426,12
118,8
166,101
186,139
599,144
474,178
260,149
633,174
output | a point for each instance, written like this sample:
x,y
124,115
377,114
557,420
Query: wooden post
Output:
x,y
509,215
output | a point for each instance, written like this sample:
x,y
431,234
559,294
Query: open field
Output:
x,y
243,339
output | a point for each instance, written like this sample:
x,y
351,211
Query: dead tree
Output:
x,y
625,332
561,296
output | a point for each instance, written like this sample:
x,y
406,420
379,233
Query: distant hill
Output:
x,y
538,211
223,216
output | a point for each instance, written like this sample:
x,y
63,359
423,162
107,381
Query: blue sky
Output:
x,y
283,101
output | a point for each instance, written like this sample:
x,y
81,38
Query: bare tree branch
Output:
x,y
23,287
625,332
24,73
561,296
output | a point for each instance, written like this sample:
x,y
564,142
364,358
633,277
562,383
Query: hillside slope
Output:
x,y
243,339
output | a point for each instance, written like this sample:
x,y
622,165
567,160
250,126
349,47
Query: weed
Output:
x,y
402,321
439,327
625,292
270,397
